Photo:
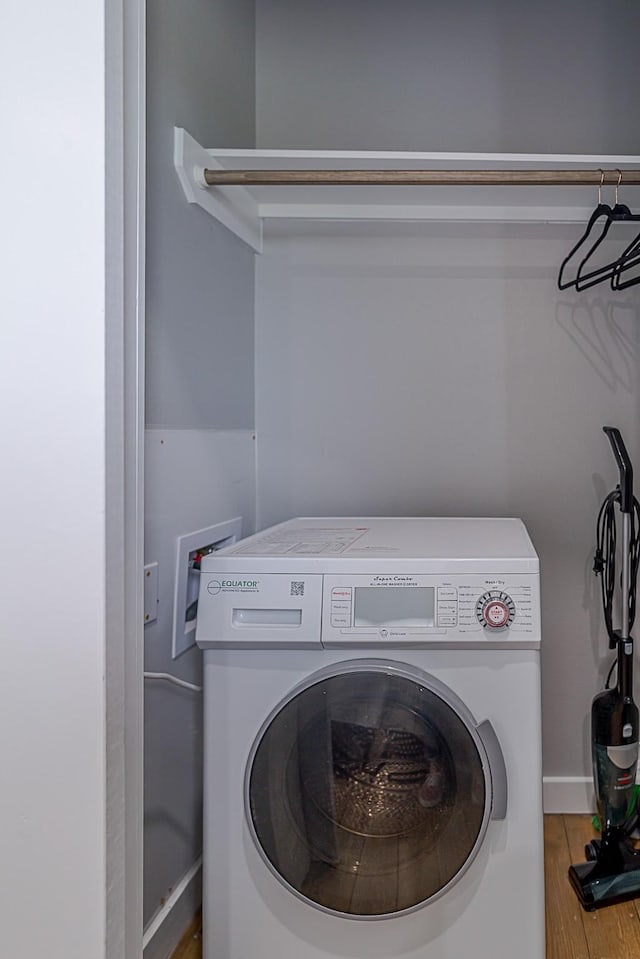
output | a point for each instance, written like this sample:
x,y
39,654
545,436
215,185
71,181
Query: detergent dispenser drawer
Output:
x,y
269,611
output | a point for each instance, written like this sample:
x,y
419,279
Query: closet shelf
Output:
x,y
480,187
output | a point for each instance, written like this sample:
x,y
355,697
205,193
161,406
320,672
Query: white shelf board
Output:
x,y
243,209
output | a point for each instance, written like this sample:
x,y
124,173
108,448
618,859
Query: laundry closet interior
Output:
x,y
418,362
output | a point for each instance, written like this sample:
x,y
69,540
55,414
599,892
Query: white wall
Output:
x,y
448,75
441,372
52,564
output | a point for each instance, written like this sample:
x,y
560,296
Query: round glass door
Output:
x,y
366,790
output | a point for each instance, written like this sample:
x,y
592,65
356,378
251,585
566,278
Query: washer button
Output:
x,y
447,593
339,593
340,607
339,619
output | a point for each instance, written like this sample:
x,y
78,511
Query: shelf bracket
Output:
x,y
238,212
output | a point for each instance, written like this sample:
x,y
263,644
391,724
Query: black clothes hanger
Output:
x,y
620,213
602,210
618,284
627,261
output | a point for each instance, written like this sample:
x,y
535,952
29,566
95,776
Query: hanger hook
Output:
x,y
600,187
618,184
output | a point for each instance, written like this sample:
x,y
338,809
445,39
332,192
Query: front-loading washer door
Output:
x,y
369,789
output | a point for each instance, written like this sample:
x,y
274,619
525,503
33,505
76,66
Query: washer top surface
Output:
x,y
502,542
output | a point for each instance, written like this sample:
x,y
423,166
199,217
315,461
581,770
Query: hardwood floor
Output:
x,y
611,933
190,946
572,933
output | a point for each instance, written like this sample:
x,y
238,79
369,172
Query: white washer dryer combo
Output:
x,y
372,741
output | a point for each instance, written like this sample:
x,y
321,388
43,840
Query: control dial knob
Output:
x,y
495,609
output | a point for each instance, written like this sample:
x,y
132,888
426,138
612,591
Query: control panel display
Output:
x,y
411,606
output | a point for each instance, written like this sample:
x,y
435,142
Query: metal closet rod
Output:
x,y
422,177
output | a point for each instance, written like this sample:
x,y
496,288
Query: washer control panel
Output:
x,y
408,609
299,610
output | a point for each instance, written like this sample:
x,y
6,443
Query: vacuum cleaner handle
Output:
x,y
625,467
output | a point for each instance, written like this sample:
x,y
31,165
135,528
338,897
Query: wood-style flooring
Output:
x,y
572,933
611,933
190,946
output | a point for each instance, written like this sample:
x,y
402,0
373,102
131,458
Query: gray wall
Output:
x,y
199,383
444,374
200,76
449,75
195,478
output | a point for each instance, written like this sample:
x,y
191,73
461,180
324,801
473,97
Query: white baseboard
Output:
x,y
568,794
167,927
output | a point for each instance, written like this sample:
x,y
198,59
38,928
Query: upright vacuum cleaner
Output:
x,y
612,871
